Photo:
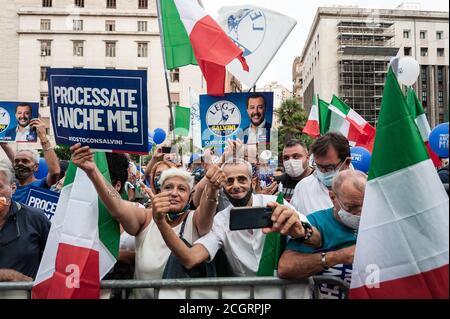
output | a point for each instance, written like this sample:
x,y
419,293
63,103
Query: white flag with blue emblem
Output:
x,y
195,130
259,33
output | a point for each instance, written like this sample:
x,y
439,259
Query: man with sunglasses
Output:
x,y
338,228
23,233
331,154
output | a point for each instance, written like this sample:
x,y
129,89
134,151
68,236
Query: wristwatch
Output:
x,y
308,232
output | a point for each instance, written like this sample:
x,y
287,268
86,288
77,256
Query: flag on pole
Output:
x,y
403,241
418,114
83,242
182,120
345,120
312,127
274,244
259,32
212,48
195,131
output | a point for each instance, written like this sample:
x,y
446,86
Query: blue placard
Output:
x,y
227,117
15,118
43,199
105,109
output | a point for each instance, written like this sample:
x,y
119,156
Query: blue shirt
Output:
x,y
335,236
21,193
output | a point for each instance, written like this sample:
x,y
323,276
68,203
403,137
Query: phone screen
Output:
x,y
250,218
166,149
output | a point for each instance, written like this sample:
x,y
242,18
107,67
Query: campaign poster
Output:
x,y
244,116
15,118
103,109
43,199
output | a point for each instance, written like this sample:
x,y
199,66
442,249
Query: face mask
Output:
x,y
294,168
173,216
349,220
242,202
325,178
22,172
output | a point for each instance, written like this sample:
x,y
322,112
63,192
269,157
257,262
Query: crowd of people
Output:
x,y
175,220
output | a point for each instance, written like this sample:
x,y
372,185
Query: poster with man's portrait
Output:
x,y
15,118
246,116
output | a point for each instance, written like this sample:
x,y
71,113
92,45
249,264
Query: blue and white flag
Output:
x,y
259,33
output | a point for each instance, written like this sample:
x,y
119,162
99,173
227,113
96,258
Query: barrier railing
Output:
x,y
313,282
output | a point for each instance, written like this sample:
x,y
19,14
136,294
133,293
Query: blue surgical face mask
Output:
x,y
325,178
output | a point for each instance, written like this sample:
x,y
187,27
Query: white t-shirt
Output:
x,y
243,248
310,196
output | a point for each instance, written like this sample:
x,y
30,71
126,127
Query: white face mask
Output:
x,y
349,220
294,168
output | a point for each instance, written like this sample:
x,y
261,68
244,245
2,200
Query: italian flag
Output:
x,y
83,242
312,127
274,245
190,36
402,249
418,114
345,120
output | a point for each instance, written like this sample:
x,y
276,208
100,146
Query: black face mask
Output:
x,y
241,202
22,172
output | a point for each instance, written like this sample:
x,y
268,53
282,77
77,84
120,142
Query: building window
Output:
x,y
439,35
46,3
423,51
43,72
441,118
111,4
440,52
440,74
423,35
143,4
79,3
110,47
46,48
142,50
407,51
78,48
423,74
175,75
43,100
441,99
78,25
406,34
110,25
45,24
142,26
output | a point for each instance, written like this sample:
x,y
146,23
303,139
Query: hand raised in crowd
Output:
x,y
234,149
269,190
160,206
39,125
285,220
83,157
216,177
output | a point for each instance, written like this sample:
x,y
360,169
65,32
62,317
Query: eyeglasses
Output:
x,y
329,168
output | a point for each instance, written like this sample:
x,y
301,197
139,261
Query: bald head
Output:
x,y
349,181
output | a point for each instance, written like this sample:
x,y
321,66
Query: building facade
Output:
x,y
297,79
104,34
280,94
348,50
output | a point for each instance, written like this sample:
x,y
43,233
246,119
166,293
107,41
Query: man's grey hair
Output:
x,y
239,161
358,179
7,171
34,154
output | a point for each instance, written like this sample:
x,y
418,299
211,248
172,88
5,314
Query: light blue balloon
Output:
x,y
360,158
439,140
159,136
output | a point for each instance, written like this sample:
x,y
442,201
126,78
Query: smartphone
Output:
x,y
166,149
250,218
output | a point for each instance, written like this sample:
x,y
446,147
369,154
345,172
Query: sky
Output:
x,y
280,69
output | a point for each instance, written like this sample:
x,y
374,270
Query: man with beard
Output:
x,y
26,163
258,130
24,131
243,248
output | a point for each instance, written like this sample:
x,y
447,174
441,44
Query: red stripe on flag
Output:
x,y
76,275
432,284
434,157
214,50
312,129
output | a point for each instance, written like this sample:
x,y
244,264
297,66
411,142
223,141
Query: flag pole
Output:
x,y
161,36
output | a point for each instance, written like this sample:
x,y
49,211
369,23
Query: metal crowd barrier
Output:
x,y
314,283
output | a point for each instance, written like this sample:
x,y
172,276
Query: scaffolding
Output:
x,y
364,51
